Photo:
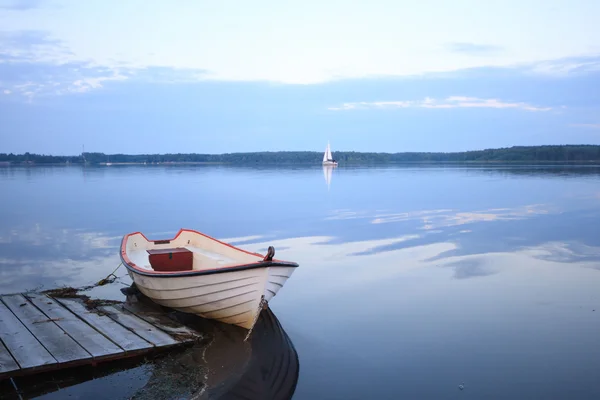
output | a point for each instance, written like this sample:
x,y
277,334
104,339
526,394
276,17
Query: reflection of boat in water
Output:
x,y
265,367
194,273
327,173
221,366
273,368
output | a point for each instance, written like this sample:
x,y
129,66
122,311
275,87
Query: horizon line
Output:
x,y
308,151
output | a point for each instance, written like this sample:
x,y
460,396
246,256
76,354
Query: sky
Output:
x,y
135,77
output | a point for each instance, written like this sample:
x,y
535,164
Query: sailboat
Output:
x,y
327,157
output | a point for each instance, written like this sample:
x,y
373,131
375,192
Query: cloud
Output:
x,y
31,80
449,102
365,40
33,64
35,79
169,75
473,48
45,78
20,5
590,126
32,46
86,84
567,66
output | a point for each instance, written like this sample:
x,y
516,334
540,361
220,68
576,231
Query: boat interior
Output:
x,y
188,251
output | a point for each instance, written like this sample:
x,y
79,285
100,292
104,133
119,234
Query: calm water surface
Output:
x,y
412,280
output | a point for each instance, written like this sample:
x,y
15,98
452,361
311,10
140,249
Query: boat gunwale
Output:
x,y
173,274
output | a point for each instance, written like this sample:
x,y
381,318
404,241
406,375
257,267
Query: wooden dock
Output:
x,y
39,332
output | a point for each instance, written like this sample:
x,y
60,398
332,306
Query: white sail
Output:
x,y
326,155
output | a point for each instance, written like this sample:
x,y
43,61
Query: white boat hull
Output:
x,y
229,297
223,282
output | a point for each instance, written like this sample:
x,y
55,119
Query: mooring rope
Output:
x,y
108,279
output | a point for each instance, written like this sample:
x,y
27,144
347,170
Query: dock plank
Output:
x,y
24,347
50,335
109,328
139,326
7,362
39,333
91,340
157,317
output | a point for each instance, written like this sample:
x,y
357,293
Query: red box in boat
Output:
x,y
177,259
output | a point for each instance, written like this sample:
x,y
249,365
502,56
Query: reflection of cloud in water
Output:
x,y
27,274
387,247
44,237
40,256
345,214
242,239
470,268
433,219
265,249
535,262
231,240
439,218
373,260
566,252
357,260
37,256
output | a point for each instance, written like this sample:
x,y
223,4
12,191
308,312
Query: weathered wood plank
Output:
x,y
105,325
154,315
139,326
53,338
7,362
91,340
24,347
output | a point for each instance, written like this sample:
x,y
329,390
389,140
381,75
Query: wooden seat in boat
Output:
x,y
175,259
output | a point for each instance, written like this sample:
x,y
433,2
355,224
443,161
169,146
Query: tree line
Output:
x,y
549,153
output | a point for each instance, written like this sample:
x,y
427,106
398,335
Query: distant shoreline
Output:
x,y
567,154
288,164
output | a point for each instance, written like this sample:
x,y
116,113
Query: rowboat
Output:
x,y
195,273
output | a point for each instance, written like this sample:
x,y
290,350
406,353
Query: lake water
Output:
x,y
413,280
